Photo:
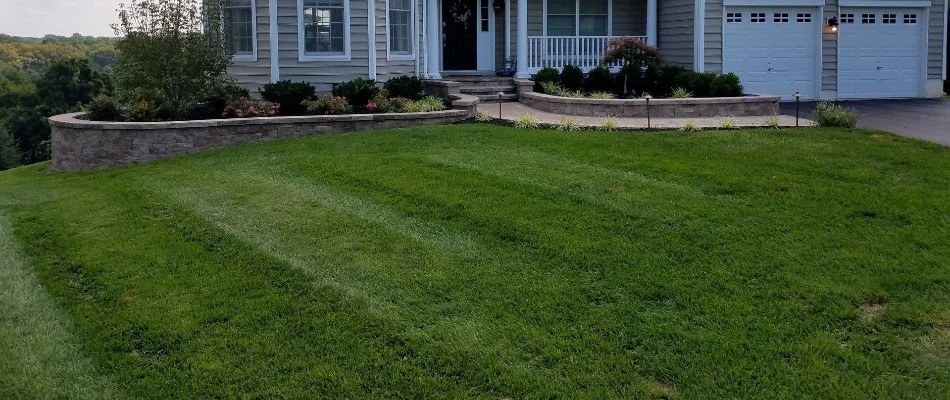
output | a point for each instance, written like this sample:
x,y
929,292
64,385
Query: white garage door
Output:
x,y
880,53
773,49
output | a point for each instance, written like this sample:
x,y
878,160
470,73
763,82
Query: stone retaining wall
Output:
x,y
80,144
748,106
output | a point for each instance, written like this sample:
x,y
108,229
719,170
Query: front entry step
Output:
x,y
487,98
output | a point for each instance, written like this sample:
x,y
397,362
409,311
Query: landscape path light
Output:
x,y
648,97
798,102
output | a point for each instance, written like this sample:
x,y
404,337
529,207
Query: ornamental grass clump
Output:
x,y
526,121
568,125
427,104
830,115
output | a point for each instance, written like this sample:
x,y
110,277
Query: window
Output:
x,y
239,28
485,14
889,18
780,17
868,18
577,17
803,17
324,29
400,27
757,18
734,18
847,18
910,18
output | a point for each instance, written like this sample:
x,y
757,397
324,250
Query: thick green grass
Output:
x,y
483,262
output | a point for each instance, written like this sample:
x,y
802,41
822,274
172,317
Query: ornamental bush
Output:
x,y
726,85
290,95
248,108
833,115
103,108
409,87
171,57
600,79
358,92
547,74
328,105
635,57
572,78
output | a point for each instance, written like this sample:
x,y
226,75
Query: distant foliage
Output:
x,y
67,84
835,116
290,95
171,57
358,92
9,155
409,87
572,78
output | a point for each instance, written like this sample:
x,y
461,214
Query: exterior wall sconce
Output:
x,y
499,6
833,23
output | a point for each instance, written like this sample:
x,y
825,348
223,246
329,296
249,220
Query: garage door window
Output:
x,y
780,18
803,17
910,18
889,18
847,18
757,18
734,18
868,18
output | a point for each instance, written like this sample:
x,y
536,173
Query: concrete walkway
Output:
x,y
514,111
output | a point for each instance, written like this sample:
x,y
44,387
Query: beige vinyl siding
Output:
x,y
500,40
629,18
322,74
254,74
713,36
385,68
829,54
675,31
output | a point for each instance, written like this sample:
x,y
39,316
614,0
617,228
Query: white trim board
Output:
x,y
413,33
253,56
885,3
699,36
774,3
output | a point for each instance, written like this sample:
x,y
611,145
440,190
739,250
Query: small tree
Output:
x,y
171,55
9,155
634,56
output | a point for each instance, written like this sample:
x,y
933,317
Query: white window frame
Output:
x,y
413,34
577,19
253,55
301,37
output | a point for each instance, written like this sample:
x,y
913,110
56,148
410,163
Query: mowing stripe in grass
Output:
x,y
39,356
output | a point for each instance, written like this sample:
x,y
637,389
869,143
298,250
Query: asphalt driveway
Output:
x,y
927,119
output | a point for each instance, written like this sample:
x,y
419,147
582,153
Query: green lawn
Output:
x,y
475,261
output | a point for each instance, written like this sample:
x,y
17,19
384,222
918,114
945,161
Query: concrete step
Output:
x,y
488,89
470,81
489,98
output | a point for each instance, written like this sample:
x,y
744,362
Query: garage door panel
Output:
x,y
880,52
773,49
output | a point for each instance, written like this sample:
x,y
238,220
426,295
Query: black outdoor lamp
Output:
x,y
499,6
833,23
798,103
647,97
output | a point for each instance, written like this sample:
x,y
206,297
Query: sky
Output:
x,y
59,17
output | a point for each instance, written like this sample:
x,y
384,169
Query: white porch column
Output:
x,y
651,22
523,40
433,40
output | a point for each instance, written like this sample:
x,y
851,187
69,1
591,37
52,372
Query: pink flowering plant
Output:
x,y
382,103
328,105
249,108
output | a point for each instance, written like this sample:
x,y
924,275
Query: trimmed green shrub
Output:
x,y
572,78
103,108
726,85
546,75
700,83
832,115
600,79
409,87
358,92
669,79
290,95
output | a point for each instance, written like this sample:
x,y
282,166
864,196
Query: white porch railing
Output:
x,y
585,52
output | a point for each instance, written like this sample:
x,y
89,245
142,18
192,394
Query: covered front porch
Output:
x,y
484,37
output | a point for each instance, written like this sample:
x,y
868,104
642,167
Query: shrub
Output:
x,y
572,78
328,105
833,115
526,121
680,93
576,94
669,79
289,95
248,108
690,126
552,88
567,125
9,155
170,58
546,75
358,92
427,104
104,108
700,83
482,117
635,57
406,86
602,95
726,85
728,123
772,123
600,79
608,124
142,110
383,103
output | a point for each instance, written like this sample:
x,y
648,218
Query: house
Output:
x,y
821,49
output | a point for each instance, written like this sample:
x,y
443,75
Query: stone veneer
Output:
x,y
80,144
747,106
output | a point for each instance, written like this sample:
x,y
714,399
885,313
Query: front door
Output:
x,y
459,35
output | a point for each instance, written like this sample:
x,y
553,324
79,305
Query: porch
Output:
x,y
488,36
